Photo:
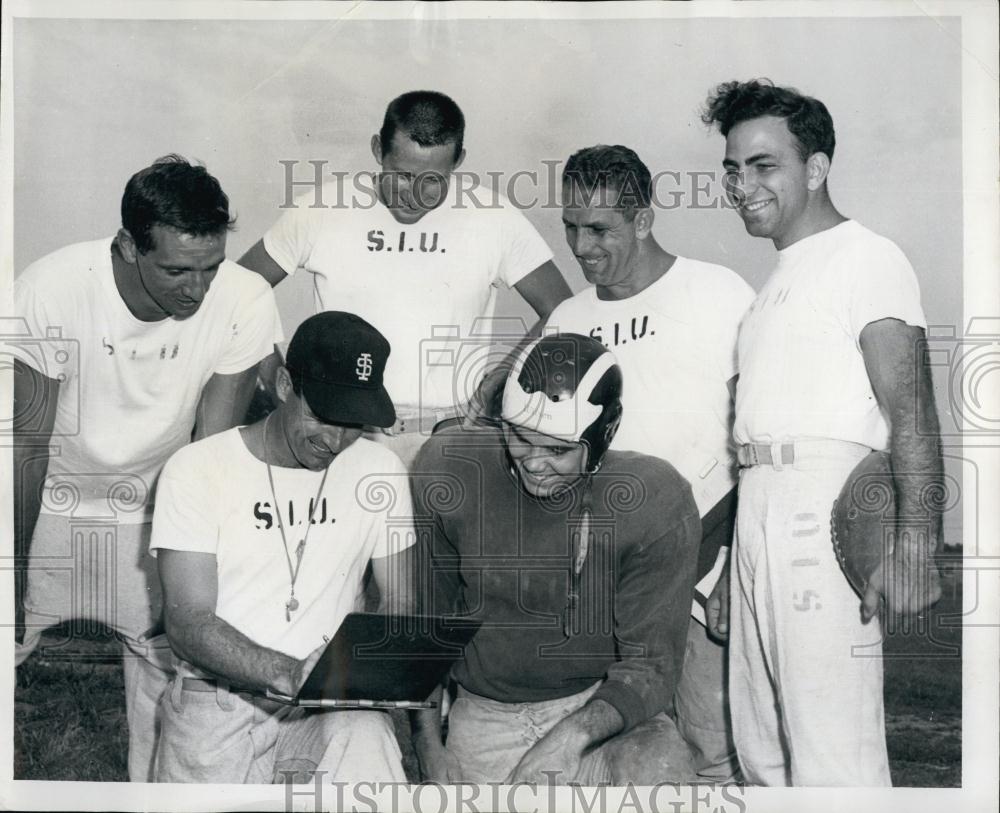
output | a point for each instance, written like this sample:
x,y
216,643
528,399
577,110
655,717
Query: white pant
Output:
x,y
489,738
701,708
223,736
102,571
805,673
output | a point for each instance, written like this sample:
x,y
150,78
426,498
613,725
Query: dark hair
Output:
x,y
603,168
428,117
175,194
806,118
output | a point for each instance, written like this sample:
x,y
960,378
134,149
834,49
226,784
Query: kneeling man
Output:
x,y
263,535
580,562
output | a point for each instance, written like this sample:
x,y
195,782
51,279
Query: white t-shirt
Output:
x,y
129,389
364,512
676,344
425,286
802,374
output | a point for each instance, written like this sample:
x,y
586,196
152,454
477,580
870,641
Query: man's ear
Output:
x,y
644,222
459,160
283,383
127,246
817,168
377,148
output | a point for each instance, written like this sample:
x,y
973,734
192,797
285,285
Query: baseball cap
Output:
x,y
340,359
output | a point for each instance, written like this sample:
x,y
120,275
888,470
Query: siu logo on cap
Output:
x,y
364,366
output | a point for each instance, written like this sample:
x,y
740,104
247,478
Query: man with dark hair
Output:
x,y
610,176
805,117
830,369
429,118
579,561
175,195
250,591
672,322
132,345
423,264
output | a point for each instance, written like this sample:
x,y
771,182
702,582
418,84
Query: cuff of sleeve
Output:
x,y
528,266
276,255
629,703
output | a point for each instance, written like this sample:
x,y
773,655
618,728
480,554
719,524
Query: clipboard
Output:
x,y
384,662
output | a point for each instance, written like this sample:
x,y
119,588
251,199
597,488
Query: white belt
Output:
x,y
787,452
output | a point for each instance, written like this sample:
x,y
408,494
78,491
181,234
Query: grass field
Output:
x,y
69,712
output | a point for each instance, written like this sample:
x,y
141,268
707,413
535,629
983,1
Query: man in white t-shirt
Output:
x,y
672,322
130,344
421,258
830,369
258,566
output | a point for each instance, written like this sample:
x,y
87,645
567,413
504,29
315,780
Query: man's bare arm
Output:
x,y
224,402
902,385
199,636
394,577
543,289
257,259
35,400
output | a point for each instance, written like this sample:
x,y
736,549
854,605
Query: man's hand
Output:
x,y
555,758
485,402
907,578
437,763
717,606
301,670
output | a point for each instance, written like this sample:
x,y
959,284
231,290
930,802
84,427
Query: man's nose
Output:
x,y
338,438
582,242
739,186
195,286
534,461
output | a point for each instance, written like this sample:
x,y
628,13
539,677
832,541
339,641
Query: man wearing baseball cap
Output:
x,y
259,566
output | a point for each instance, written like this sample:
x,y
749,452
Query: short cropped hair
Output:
x,y
175,194
604,169
428,117
806,118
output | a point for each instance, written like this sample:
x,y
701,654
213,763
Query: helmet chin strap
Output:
x,y
582,542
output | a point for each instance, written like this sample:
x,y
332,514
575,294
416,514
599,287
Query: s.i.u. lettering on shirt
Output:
x,y
165,352
427,242
265,517
772,299
618,333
